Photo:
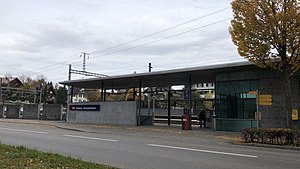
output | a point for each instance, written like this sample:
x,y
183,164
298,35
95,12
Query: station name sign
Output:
x,y
84,107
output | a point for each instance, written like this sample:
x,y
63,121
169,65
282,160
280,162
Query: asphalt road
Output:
x,y
144,148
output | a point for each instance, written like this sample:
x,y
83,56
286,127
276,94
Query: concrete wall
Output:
x,y
1,111
12,111
118,113
52,112
144,111
274,115
296,98
30,111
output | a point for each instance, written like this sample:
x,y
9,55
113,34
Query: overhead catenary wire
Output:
x,y
159,67
134,40
165,38
60,64
161,31
151,42
177,65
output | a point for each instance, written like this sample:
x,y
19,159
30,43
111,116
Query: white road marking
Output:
x,y
90,138
25,131
205,151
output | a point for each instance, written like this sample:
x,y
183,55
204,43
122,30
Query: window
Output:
x,y
233,100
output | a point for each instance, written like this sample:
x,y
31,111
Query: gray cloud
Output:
x,y
37,36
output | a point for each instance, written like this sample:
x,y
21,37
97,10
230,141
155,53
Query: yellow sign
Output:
x,y
265,103
265,97
295,114
265,100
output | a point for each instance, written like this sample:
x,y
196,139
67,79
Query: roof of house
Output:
x,y
11,80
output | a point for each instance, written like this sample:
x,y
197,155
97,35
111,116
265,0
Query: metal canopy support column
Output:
x,y
104,95
169,105
70,94
190,102
140,102
1,90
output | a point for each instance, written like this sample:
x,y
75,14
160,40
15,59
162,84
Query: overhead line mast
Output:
x,y
83,72
83,55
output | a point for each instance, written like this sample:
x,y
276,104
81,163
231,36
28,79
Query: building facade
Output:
x,y
236,106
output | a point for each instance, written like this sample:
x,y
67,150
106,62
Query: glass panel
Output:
x,y
233,100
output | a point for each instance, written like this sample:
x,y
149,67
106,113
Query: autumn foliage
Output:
x,y
267,33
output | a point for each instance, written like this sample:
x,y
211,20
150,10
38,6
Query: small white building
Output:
x,y
204,88
79,96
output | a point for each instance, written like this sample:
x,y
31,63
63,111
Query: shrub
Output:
x,y
277,136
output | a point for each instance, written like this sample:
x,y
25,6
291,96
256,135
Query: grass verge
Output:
x,y
21,157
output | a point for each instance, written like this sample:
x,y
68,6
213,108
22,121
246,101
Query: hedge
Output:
x,y
276,136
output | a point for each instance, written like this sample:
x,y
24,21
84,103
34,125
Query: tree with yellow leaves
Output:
x,y
267,33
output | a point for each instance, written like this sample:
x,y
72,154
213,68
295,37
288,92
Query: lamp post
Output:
x,y
40,102
1,89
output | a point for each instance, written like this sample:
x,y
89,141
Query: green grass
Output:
x,y
22,158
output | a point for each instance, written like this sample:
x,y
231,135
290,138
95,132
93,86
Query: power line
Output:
x,y
134,40
168,37
151,42
155,41
164,30
62,63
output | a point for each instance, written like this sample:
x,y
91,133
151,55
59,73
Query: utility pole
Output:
x,y
34,96
1,90
70,68
150,67
41,94
69,93
83,55
40,103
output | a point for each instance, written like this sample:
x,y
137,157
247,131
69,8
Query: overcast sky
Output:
x,y
45,36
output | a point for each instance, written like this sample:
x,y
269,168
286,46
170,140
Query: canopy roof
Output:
x,y
162,78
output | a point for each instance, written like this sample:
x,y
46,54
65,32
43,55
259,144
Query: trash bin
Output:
x,y
185,120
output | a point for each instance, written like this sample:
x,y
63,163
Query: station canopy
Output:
x,y
195,75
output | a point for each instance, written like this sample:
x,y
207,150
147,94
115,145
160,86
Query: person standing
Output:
x,y
201,117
